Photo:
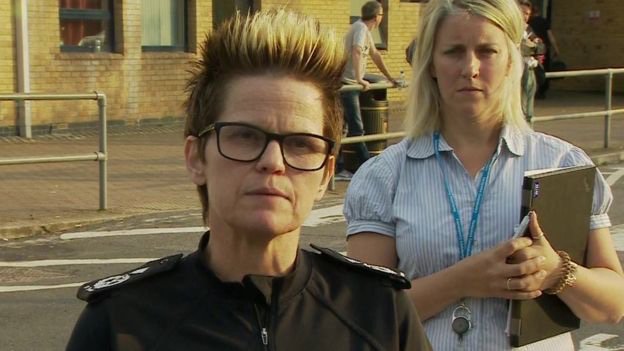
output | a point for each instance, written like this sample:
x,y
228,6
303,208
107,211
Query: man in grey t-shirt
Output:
x,y
359,45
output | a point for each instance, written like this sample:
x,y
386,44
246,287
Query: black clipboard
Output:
x,y
562,199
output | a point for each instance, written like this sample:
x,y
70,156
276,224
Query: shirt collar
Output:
x,y
422,147
511,139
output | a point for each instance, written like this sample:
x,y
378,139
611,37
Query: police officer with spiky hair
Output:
x,y
263,125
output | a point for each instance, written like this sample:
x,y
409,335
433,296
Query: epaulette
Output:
x,y
396,277
95,289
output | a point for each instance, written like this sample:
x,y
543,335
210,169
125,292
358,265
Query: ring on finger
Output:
x,y
539,236
508,281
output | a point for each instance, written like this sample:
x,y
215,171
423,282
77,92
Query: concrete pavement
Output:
x,y
146,172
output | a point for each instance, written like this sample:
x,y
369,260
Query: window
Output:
x,y
222,10
163,25
86,25
380,34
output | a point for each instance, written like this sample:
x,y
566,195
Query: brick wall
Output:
x,y
145,85
590,35
402,20
139,85
8,80
402,26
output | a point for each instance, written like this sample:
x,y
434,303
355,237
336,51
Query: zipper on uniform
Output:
x,y
265,337
268,311
264,333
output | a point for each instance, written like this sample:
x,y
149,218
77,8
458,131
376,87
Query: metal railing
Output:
x,y
370,137
100,156
607,112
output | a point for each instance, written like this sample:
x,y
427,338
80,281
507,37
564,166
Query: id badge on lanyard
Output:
x,y
461,321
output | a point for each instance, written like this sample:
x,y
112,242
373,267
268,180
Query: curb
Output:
x,y
607,158
24,231
99,218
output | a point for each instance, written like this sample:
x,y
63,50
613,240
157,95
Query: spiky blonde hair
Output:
x,y
276,42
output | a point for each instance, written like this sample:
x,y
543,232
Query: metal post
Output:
x,y
24,121
103,150
101,156
608,93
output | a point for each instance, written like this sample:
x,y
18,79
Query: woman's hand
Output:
x,y
542,250
491,273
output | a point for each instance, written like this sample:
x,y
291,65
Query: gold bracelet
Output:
x,y
568,277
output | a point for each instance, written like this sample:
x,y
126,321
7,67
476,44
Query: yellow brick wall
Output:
x,y
200,18
8,82
402,20
330,13
138,84
151,84
143,85
589,42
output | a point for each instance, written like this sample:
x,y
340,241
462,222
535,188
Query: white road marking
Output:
x,y
47,263
318,217
323,216
594,342
128,232
172,217
615,176
617,234
17,288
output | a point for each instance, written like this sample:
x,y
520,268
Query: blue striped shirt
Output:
x,y
400,193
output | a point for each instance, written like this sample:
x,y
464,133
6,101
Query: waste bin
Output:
x,y
374,109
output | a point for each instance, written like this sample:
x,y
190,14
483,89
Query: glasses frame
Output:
x,y
216,127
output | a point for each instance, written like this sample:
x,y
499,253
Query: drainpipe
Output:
x,y
24,122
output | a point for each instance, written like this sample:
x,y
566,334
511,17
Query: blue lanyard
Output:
x,y
465,248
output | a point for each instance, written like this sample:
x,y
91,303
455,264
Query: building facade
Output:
x,y
590,34
138,52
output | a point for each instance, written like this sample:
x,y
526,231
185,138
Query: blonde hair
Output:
x,y
423,113
276,42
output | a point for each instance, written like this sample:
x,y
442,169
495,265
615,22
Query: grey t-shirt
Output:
x,y
358,35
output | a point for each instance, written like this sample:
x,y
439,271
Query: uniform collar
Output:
x,y
259,287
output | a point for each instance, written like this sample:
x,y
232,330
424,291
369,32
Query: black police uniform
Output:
x,y
329,302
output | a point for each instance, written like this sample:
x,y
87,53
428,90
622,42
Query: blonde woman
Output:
x,y
442,204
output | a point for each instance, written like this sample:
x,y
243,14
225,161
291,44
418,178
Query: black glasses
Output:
x,y
246,143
